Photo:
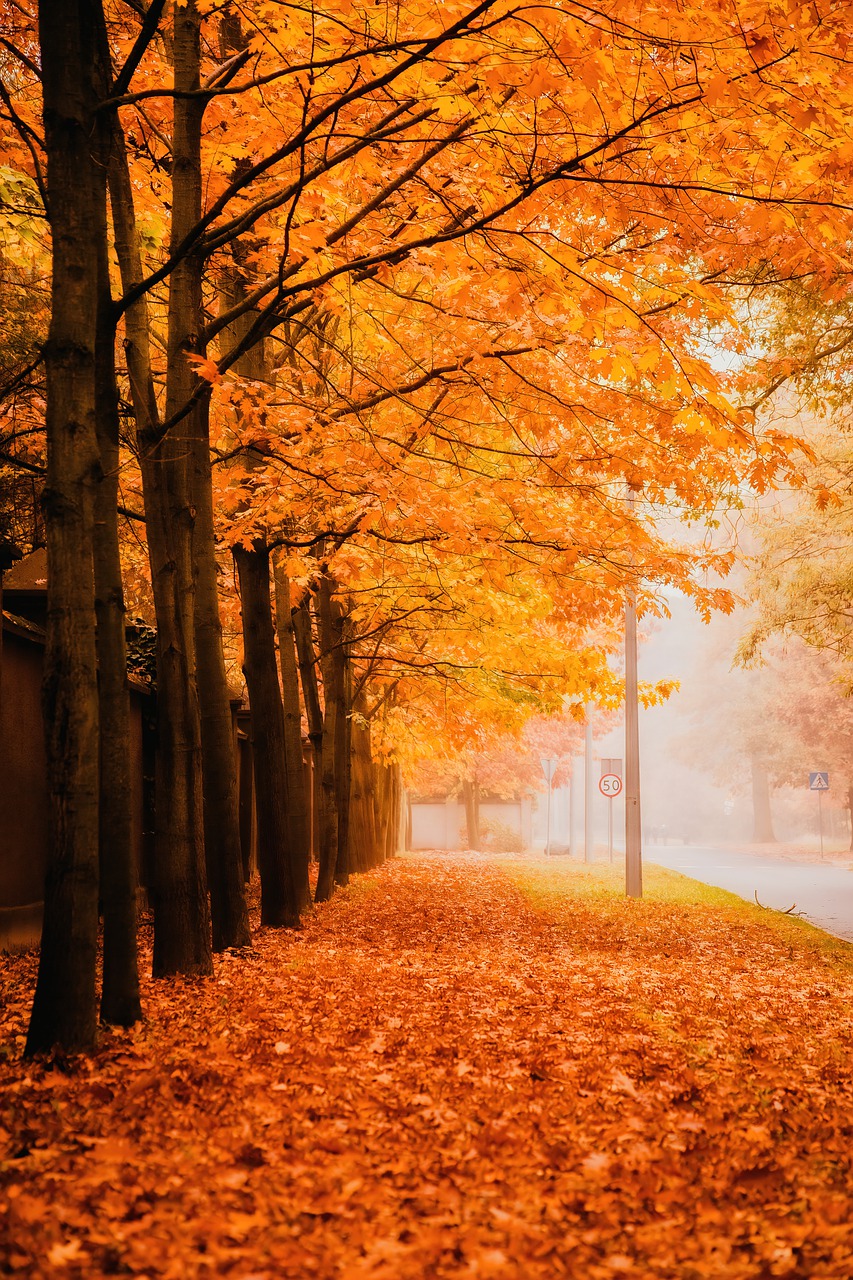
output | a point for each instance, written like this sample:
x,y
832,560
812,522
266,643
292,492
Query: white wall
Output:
x,y
437,824
440,824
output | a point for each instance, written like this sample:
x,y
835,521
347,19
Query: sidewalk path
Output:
x,y
443,1077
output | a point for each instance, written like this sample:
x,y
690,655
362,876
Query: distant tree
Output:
x,y
764,723
801,580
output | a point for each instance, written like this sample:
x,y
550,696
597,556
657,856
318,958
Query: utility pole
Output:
x,y
588,789
633,820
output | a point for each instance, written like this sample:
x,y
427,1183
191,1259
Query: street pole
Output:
x,y
572,788
588,789
610,829
548,822
820,820
633,821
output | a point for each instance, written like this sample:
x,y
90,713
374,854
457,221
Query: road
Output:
x,y
823,892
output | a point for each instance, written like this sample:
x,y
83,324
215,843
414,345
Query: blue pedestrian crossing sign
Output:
x,y
818,781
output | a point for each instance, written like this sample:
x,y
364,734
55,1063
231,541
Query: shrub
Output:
x,y
500,836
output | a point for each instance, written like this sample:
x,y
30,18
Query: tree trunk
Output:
x,y
119,873
118,870
64,1010
363,832
380,810
178,886
395,829
223,856
182,941
343,752
279,905
298,798
307,661
762,832
389,848
229,913
471,798
330,622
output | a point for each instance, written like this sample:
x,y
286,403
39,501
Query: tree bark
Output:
x,y
178,885
307,662
380,807
279,904
762,832
395,827
343,751
297,792
119,873
64,1010
365,847
330,623
182,939
120,1002
471,798
229,912
389,816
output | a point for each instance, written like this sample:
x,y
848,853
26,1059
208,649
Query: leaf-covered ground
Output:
x,y
464,1068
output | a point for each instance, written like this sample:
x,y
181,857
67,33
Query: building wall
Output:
x,y
23,793
24,837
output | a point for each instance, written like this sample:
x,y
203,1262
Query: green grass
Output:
x,y
550,883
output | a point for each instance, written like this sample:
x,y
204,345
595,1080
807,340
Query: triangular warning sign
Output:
x,y
819,781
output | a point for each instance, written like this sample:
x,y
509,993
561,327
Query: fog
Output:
x,y
696,779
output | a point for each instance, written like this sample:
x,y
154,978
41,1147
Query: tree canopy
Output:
x,y
403,303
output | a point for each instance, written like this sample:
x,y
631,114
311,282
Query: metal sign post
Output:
x,y
548,767
819,782
610,785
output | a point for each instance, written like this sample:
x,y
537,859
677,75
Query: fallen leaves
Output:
x,y
437,1079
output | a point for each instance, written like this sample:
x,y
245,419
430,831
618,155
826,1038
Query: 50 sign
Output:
x,y
610,785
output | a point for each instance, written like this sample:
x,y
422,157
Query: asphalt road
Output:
x,y
823,892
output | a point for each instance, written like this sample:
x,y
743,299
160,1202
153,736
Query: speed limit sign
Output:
x,y
610,785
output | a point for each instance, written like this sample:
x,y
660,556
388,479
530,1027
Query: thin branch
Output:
x,y
146,34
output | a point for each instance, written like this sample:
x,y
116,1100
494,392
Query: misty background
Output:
x,y
696,776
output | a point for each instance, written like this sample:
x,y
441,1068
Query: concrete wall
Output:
x,y
437,824
440,824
